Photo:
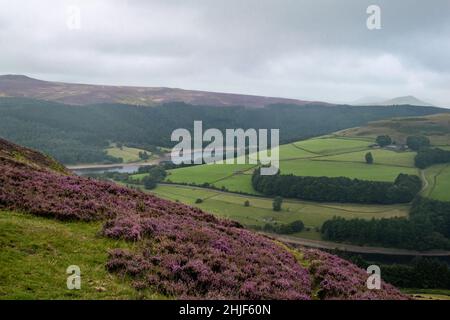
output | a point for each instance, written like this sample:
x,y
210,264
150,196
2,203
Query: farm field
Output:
x,y
381,156
35,253
438,177
350,169
231,206
206,173
126,153
327,145
323,156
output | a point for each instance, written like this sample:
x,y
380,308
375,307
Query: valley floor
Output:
x,y
259,212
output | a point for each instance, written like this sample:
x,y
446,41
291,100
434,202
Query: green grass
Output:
x,y
331,145
260,211
35,253
290,151
206,173
238,183
127,154
438,177
381,156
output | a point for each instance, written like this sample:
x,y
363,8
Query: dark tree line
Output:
x,y
429,156
418,273
287,228
341,189
423,273
428,227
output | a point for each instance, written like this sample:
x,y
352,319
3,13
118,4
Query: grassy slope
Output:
x,y
436,127
35,252
260,210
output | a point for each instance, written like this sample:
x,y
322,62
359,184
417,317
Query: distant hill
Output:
x,y
83,94
410,100
377,101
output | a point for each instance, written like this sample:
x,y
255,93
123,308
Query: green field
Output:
x,y
231,206
127,154
323,146
35,253
319,168
381,156
324,156
206,173
438,177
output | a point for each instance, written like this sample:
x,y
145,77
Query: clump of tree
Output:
x,y
198,201
383,140
429,156
289,228
339,189
149,182
154,174
143,155
247,203
417,143
277,203
369,158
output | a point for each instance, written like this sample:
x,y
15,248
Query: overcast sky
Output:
x,y
313,50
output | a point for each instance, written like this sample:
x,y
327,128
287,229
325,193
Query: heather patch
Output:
x,y
335,278
180,251
184,252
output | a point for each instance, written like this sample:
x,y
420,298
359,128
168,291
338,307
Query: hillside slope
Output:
x,y
436,127
83,94
179,251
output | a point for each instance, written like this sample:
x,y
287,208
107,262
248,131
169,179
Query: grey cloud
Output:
x,y
319,50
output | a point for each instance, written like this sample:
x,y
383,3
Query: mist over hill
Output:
x,y
405,100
